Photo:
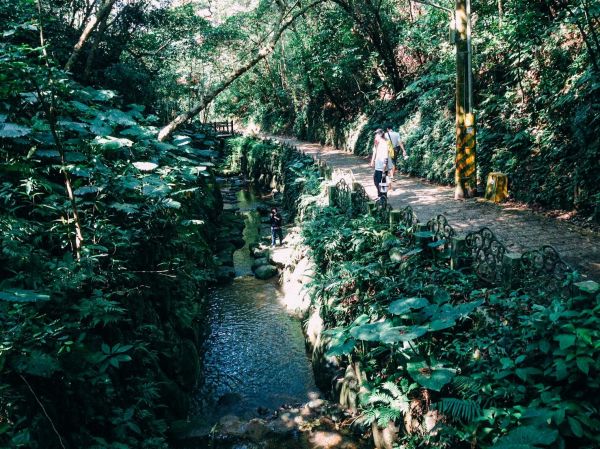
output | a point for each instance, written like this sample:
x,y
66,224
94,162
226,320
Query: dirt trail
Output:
x,y
517,227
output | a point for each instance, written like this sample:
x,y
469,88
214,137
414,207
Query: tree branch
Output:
x,y
103,11
434,5
262,53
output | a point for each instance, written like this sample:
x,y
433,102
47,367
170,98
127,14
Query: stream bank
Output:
x,y
258,388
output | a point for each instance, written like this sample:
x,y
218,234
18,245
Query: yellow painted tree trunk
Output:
x,y
466,169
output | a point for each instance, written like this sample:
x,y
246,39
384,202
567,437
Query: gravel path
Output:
x,y
518,227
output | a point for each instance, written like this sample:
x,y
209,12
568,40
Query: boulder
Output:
x,y
259,262
255,430
265,272
259,253
231,425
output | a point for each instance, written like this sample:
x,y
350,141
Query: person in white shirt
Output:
x,y
380,159
394,137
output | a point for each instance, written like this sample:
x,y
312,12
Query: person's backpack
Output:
x,y
391,150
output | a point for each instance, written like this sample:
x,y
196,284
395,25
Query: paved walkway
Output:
x,y
519,228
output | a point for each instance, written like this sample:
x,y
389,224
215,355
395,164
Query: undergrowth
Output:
x,y
450,361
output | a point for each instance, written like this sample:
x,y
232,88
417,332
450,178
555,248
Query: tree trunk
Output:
x,y
102,13
465,170
216,90
97,39
500,13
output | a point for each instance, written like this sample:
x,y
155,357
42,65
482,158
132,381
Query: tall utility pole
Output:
x,y
466,169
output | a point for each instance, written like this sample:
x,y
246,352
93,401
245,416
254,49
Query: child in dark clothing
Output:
x,y
276,223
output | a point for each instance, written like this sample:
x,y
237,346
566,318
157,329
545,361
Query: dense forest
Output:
x,y
111,217
349,67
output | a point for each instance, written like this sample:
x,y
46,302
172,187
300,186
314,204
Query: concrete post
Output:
x,y
512,264
459,253
331,195
394,219
372,207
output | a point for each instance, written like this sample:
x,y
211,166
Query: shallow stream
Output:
x,y
254,357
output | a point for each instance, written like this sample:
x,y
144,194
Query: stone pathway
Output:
x,y
517,227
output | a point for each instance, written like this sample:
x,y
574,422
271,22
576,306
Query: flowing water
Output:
x,y
254,356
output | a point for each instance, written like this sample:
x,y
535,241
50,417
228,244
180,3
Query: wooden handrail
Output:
x,y
225,127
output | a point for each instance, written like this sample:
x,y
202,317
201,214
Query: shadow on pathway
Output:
x,y
518,228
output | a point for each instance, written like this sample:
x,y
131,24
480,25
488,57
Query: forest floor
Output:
x,y
517,226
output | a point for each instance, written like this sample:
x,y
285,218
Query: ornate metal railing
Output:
x,y
360,201
408,218
382,211
481,250
545,264
487,255
442,233
343,197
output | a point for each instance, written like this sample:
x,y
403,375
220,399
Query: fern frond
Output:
x,y
393,388
464,410
379,397
386,415
466,385
369,416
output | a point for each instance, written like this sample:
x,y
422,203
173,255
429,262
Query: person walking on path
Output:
x,y
276,223
397,144
380,159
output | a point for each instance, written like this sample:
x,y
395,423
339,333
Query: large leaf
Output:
x,y
124,207
371,331
527,437
11,130
47,154
145,166
154,186
118,117
181,140
87,190
18,295
75,156
79,127
111,143
402,333
139,132
99,128
340,345
96,95
432,377
444,322
404,305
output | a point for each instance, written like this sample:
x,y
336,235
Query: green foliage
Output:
x,y
489,367
536,76
93,327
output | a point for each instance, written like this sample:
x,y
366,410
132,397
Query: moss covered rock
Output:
x,y
259,262
265,272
